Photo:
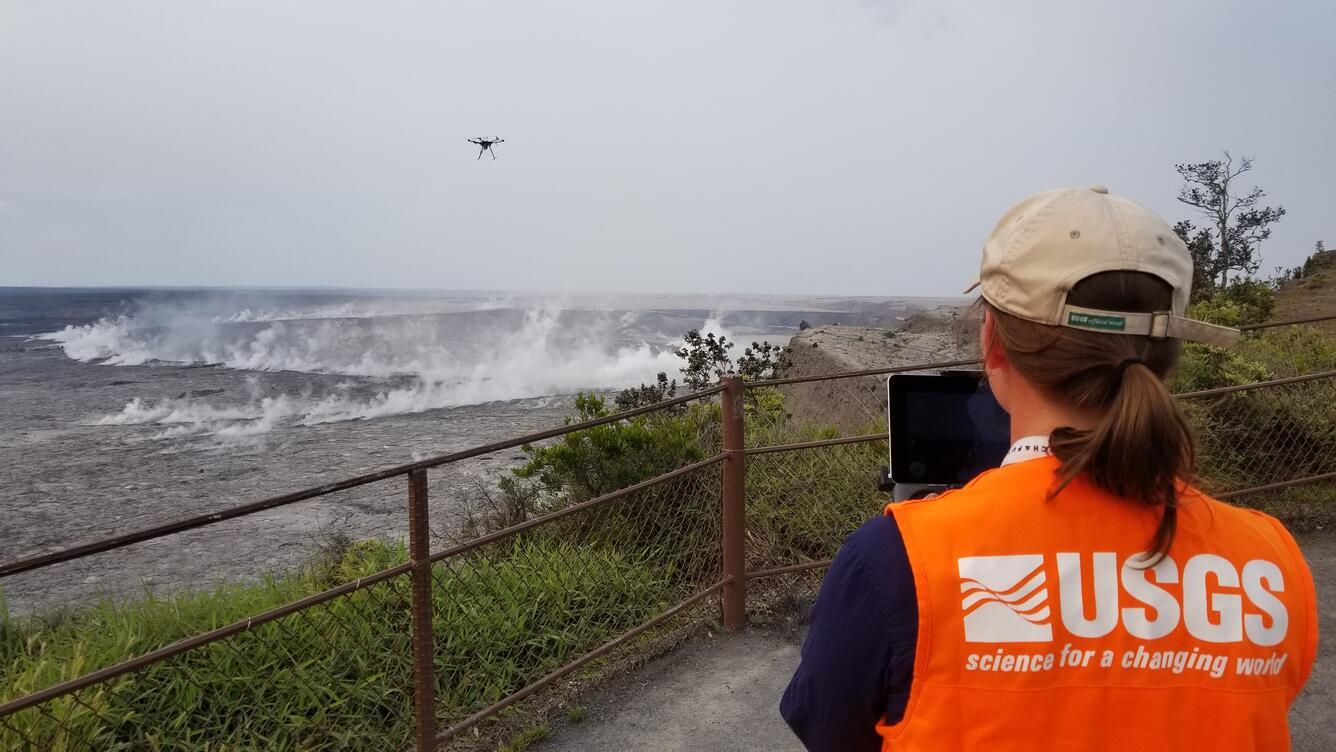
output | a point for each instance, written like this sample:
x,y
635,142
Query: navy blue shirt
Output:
x,y
858,658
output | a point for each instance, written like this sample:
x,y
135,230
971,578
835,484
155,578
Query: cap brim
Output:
x,y
974,285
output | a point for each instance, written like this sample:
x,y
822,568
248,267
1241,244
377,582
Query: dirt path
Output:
x,y
1313,717
719,693
722,693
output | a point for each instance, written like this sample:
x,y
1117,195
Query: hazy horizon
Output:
x,y
478,291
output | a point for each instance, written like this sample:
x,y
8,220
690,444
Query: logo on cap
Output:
x,y
1088,321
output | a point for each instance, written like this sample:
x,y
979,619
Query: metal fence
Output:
x,y
389,645
1269,443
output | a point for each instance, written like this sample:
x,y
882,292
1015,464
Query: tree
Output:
x,y
1235,223
648,394
705,360
763,361
1202,248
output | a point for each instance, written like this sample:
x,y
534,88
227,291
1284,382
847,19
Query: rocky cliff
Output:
x,y
857,405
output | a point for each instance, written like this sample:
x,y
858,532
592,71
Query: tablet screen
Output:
x,y
944,429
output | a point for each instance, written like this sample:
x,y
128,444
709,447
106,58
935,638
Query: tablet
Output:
x,y
944,428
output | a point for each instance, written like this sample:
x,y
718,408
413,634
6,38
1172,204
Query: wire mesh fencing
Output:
x,y
801,503
1266,434
333,675
510,611
543,571
190,639
1269,444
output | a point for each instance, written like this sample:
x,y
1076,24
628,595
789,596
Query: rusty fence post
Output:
x,y
733,501
419,552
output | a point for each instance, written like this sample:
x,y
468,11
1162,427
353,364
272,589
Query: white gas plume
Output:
x,y
407,363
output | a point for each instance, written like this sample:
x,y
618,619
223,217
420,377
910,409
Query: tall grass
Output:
x,y
337,676
802,504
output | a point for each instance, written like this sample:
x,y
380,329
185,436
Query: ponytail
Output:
x,y
1142,448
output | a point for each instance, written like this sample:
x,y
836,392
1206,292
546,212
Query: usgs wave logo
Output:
x,y
1008,599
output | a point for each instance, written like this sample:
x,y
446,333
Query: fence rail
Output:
x,y
574,580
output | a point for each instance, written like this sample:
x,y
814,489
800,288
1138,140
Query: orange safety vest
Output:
x,y
1040,627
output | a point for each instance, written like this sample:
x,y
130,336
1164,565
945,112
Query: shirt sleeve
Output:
x,y
858,658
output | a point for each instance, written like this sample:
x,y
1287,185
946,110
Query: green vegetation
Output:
x,y
526,738
1205,367
1262,355
706,360
1208,367
595,461
677,519
802,504
1239,303
337,676
1262,436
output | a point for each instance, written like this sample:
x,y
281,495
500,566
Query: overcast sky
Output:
x,y
786,146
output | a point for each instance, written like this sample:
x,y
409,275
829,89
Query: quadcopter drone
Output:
x,y
485,144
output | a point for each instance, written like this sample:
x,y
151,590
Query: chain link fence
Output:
x,y
1265,434
801,503
531,583
334,674
1270,444
512,610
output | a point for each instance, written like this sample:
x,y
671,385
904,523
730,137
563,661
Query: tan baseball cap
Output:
x,y
1050,241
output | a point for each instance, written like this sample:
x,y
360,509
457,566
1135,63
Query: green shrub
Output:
x,y
1209,367
1265,435
802,504
1243,302
1290,350
589,463
676,519
765,421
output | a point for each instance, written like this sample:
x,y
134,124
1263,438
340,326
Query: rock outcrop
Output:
x,y
858,404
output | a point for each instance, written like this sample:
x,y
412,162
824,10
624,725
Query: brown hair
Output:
x,y
1141,448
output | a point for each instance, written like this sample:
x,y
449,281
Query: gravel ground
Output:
x,y
720,693
1313,716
